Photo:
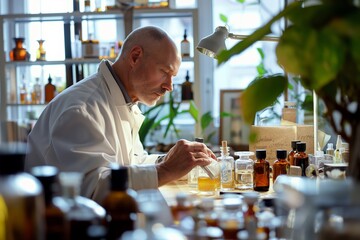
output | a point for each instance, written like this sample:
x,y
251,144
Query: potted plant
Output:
x,y
322,47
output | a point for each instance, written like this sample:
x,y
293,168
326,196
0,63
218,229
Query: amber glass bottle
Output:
x,y
281,165
50,90
120,204
182,208
54,216
292,152
301,158
261,171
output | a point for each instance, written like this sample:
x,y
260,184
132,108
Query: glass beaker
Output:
x,y
209,178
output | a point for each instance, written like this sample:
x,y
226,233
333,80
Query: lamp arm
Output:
x,y
241,37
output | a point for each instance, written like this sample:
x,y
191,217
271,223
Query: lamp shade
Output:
x,y
214,43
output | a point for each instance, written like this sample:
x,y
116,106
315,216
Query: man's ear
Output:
x,y
135,55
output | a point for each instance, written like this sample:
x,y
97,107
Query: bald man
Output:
x,y
96,121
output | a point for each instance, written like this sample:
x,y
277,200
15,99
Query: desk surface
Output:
x,y
170,190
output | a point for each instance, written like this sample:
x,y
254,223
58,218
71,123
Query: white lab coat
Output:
x,y
85,128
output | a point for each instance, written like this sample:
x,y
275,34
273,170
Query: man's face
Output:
x,y
152,75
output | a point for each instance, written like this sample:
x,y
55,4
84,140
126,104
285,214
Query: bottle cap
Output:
x,y
260,153
281,154
119,177
293,144
301,146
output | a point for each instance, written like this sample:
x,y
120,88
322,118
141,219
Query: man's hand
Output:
x,y
181,158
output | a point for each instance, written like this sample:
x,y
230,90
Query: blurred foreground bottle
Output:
x,y
80,212
21,197
120,204
54,216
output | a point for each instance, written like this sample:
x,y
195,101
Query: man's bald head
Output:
x,y
149,38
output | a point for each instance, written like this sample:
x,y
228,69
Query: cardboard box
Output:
x,y
272,138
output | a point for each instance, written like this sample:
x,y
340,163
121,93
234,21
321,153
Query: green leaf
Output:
x,y
223,18
225,55
261,93
261,53
240,1
206,119
194,111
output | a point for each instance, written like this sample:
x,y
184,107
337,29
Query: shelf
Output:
x,y
69,61
111,14
26,104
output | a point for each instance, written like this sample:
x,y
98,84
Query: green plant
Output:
x,y
322,46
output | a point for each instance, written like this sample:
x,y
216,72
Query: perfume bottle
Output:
x,y
261,171
36,92
244,170
41,53
185,46
292,152
186,89
50,90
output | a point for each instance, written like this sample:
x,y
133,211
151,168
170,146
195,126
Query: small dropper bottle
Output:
x,y
337,153
227,168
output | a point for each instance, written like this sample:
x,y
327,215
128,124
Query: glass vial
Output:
x,y
338,150
120,204
244,170
330,149
281,165
292,152
209,178
36,92
261,171
301,158
185,46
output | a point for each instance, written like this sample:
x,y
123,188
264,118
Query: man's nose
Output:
x,y
168,84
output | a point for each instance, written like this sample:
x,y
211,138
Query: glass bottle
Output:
x,y
36,93
292,152
50,90
250,219
185,46
186,89
21,196
207,212
338,150
80,212
23,91
182,208
120,204
227,168
261,171
231,220
281,165
54,216
193,174
244,170
41,53
19,53
301,158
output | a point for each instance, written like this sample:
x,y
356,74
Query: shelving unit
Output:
x,y
14,25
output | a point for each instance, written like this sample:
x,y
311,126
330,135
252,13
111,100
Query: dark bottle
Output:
x,y
186,89
54,216
80,212
281,165
261,171
120,204
21,200
50,90
301,158
292,152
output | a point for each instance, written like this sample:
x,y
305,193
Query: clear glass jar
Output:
x,y
244,170
209,178
227,169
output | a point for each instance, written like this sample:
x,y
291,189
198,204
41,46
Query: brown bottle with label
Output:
x,y
50,90
261,171
120,204
292,152
301,158
281,165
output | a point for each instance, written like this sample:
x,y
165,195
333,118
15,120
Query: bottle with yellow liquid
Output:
x,y
227,168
